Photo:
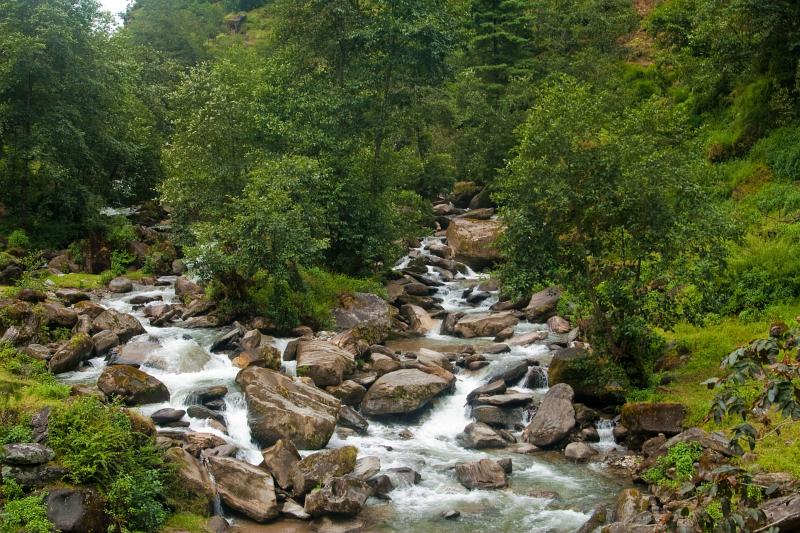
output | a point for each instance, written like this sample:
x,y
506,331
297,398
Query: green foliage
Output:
x,y
680,457
11,490
120,232
22,365
594,202
16,433
98,444
18,239
26,515
120,261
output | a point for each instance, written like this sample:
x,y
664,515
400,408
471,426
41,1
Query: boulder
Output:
x,y
419,321
198,490
245,488
120,285
591,377
383,364
490,389
26,454
509,399
559,325
432,357
630,502
348,392
449,321
783,513
186,289
367,467
478,435
266,356
71,296
473,241
78,510
325,363
483,474
579,452
482,200
403,391
496,416
341,496
554,419
349,418
135,353
132,385
280,460
69,357
202,412
645,420
281,408
195,443
31,296
58,316
88,308
167,415
484,325
543,305
123,325
510,370
322,465
360,308
37,351
463,192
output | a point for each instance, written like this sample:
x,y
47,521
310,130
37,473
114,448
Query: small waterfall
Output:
x,y
605,429
536,378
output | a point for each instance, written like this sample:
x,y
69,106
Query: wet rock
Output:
x,y
589,434
204,413
554,419
135,353
26,454
403,476
348,392
262,356
510,370
71,354
323,362
496,416
245,488
293,509
167,415
483,474
579,452
143,299
527,339
383,364
504,335
542,305
322,465
511,399
193,478
120,285
367,467
630,502
280,460
449,323
478,435
432,357
349,418
381,485
652,445
185,288
123,325
403,391
536,378
559,325
131,385
230,339
343,496
78,510
473,241
492,388
419,321
209,394
279,408
484,325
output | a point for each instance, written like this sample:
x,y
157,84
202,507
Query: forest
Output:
x,y
642,156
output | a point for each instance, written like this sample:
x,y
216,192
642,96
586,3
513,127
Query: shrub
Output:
x,y
16,433
98,444
681,457
27,515
106,276
18,239
120,261
120,233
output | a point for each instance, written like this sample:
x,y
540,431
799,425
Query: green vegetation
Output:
x,y
26,515
676,467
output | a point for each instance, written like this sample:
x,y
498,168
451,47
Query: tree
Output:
x,y
73,132
606,203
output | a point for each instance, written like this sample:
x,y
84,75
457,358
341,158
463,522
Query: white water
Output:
x,y
184,363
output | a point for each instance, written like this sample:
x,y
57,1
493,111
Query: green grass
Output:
x,y
186,522
706,347
77,281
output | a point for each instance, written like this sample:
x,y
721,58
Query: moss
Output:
x,y
77,281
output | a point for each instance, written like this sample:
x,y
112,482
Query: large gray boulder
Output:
x,y
325,363
77,510
403,391
125,326
281,408
478,435
474,241
71,354
26,454
245,488
362,308
483,474
322,465
131,385
554,419
543,305
341,496
484,325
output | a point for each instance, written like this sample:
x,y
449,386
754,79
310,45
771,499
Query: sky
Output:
x,y
115,6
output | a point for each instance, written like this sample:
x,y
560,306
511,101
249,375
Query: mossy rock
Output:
x,y
596,381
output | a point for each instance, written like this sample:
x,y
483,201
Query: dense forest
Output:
x,y
642,155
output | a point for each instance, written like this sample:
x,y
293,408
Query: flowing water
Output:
x,y
546,492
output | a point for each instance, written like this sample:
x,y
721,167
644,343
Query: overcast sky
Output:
x,y
115,6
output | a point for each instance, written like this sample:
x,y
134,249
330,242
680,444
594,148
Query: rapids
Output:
x,y
546,492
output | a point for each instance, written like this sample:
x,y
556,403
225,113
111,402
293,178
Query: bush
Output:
x,y
16,433
681,457
18,239
99,445
120,261
120,233
27,515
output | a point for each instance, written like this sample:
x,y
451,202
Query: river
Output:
x,y
546,492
